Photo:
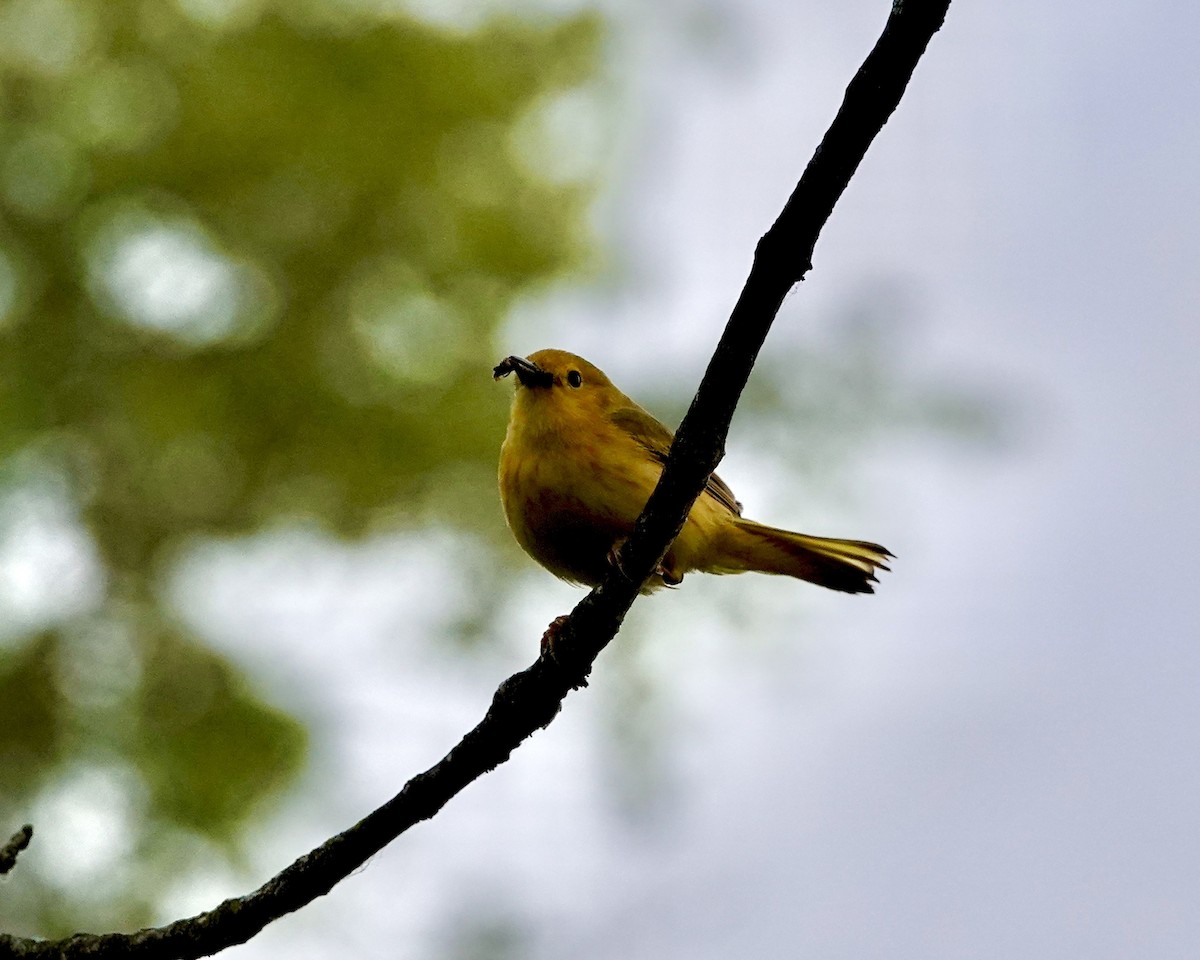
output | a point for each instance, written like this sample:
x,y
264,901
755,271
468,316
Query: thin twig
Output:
x,y
529,700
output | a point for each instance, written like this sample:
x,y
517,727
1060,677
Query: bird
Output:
x,y
578,463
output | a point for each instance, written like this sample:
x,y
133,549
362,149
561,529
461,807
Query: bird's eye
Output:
x,y
575,379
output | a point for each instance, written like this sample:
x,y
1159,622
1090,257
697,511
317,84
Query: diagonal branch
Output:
x,y
529,700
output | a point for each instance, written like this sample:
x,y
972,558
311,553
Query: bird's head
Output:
x,y
555,372
554,385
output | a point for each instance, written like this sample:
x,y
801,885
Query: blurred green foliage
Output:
x,y
253,257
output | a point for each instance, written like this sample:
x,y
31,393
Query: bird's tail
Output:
x,y
846,565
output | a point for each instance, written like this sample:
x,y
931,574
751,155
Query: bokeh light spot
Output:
x,y
564,138
460,15
222,14
405,328
122,105
169,276
49,566
92,809
101,662
46,36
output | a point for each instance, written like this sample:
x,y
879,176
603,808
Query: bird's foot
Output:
x,y
614,556
564,658
669,577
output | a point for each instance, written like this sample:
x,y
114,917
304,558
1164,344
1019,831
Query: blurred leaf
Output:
x,y
30,731
208,750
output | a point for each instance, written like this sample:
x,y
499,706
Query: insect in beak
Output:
x,y
529,373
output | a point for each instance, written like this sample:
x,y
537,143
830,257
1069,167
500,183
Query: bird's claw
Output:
x,y
614,557
670,578
564,660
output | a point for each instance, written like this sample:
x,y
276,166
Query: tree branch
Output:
x,y
529,700
11,850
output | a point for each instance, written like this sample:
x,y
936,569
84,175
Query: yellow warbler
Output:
x,y
579,462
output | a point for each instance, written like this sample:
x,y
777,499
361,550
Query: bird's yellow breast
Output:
x,y
572,484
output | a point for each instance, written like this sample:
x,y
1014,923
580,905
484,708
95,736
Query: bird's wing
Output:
x,y
656,439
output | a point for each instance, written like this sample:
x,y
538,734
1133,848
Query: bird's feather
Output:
x,y
656,440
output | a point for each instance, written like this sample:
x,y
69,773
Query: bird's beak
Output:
x,y
528,372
